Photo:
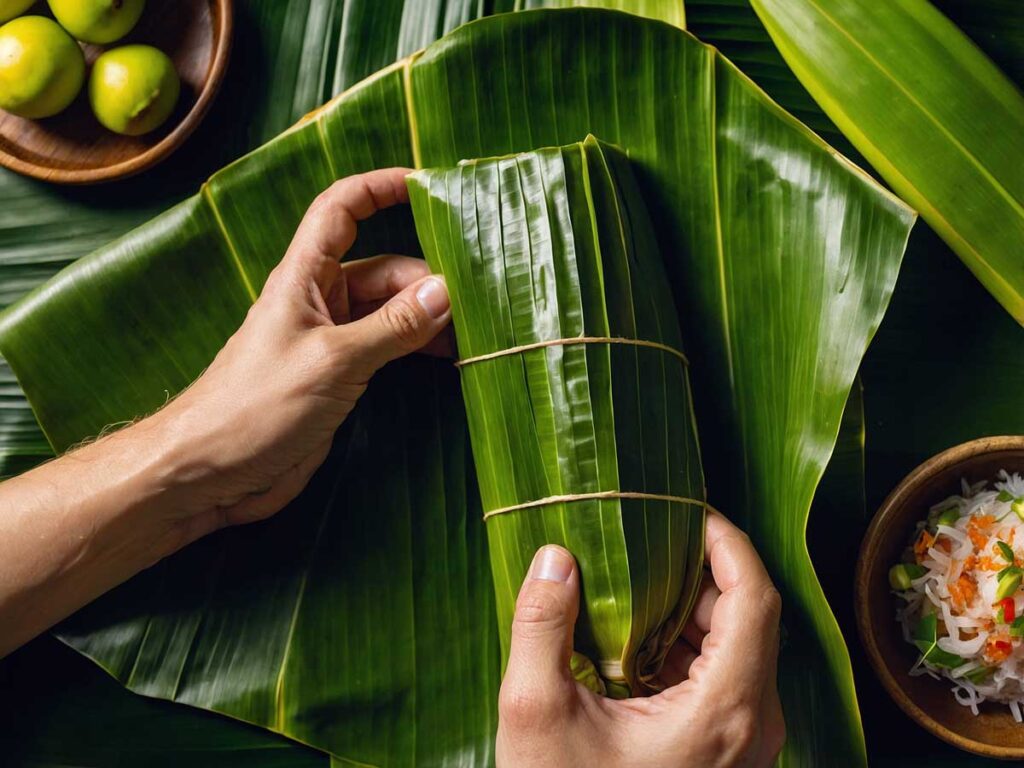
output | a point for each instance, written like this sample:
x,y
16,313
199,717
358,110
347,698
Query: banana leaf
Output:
x,y
995,26
922,393
345,621
937,119
781,255
287,59
59,710
556,245
377,33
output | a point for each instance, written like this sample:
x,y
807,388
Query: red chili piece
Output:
x,y
1008,609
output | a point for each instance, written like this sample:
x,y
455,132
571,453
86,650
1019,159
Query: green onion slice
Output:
x,y
1008,584
1006,550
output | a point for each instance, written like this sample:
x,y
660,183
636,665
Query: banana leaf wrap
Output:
x,y
586,437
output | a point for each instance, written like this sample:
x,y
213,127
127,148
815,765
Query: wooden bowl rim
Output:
x,y
918,477
167,145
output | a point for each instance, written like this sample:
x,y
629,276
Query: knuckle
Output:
x,y
322,202
741,538
403,323
515,707
538,608
523,709
317,209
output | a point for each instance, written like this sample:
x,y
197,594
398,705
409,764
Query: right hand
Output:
x,y
721,707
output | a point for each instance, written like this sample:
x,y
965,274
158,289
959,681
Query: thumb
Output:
x,y
546,610
405,324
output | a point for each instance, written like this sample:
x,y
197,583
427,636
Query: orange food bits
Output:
x,y
978,539
962,591
975,526
923,543
998,648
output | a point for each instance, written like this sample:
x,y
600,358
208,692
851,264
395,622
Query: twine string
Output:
x,y
572,341
596,495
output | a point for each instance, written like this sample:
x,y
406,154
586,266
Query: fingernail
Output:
x,y
433,296
551,564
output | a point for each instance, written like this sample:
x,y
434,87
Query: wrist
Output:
x,y
133,485
181,469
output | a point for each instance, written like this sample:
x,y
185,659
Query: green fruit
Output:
x,y
11,8
133,89
98,21
41,67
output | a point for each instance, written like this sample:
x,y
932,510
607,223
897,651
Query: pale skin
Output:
x,y
244,439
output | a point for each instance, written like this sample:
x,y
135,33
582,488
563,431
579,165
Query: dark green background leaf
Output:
x,y
934,116
58,712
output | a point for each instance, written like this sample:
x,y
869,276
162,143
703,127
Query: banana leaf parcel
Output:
x,y
576,390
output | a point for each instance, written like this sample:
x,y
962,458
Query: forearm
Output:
x,y
77,526
238,444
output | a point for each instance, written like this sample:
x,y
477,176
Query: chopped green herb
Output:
x,y
1006,550
948,517
1006,570
1018,508
1008,584
1017,627
901,575
925,637
1004,496
979,675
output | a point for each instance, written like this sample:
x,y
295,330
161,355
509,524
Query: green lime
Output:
x,y
133,89
41,67
11,8
98,21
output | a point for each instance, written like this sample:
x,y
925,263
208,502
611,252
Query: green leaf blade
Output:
x,y
930,112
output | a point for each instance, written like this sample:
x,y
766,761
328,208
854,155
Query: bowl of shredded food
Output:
x,y
940,596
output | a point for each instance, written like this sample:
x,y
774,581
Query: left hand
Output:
x,y
256,425
238,444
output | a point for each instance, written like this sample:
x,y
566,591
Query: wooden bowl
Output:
x,y
73,148
993,732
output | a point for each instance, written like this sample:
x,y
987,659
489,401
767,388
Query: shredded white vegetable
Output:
x,y
962,563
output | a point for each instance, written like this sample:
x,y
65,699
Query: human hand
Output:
x,y
721,707
255,426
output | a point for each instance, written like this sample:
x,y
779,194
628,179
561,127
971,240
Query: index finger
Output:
x,y
742,642
329,227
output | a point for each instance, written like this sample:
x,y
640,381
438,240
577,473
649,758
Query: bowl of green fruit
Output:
x,y
97,90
